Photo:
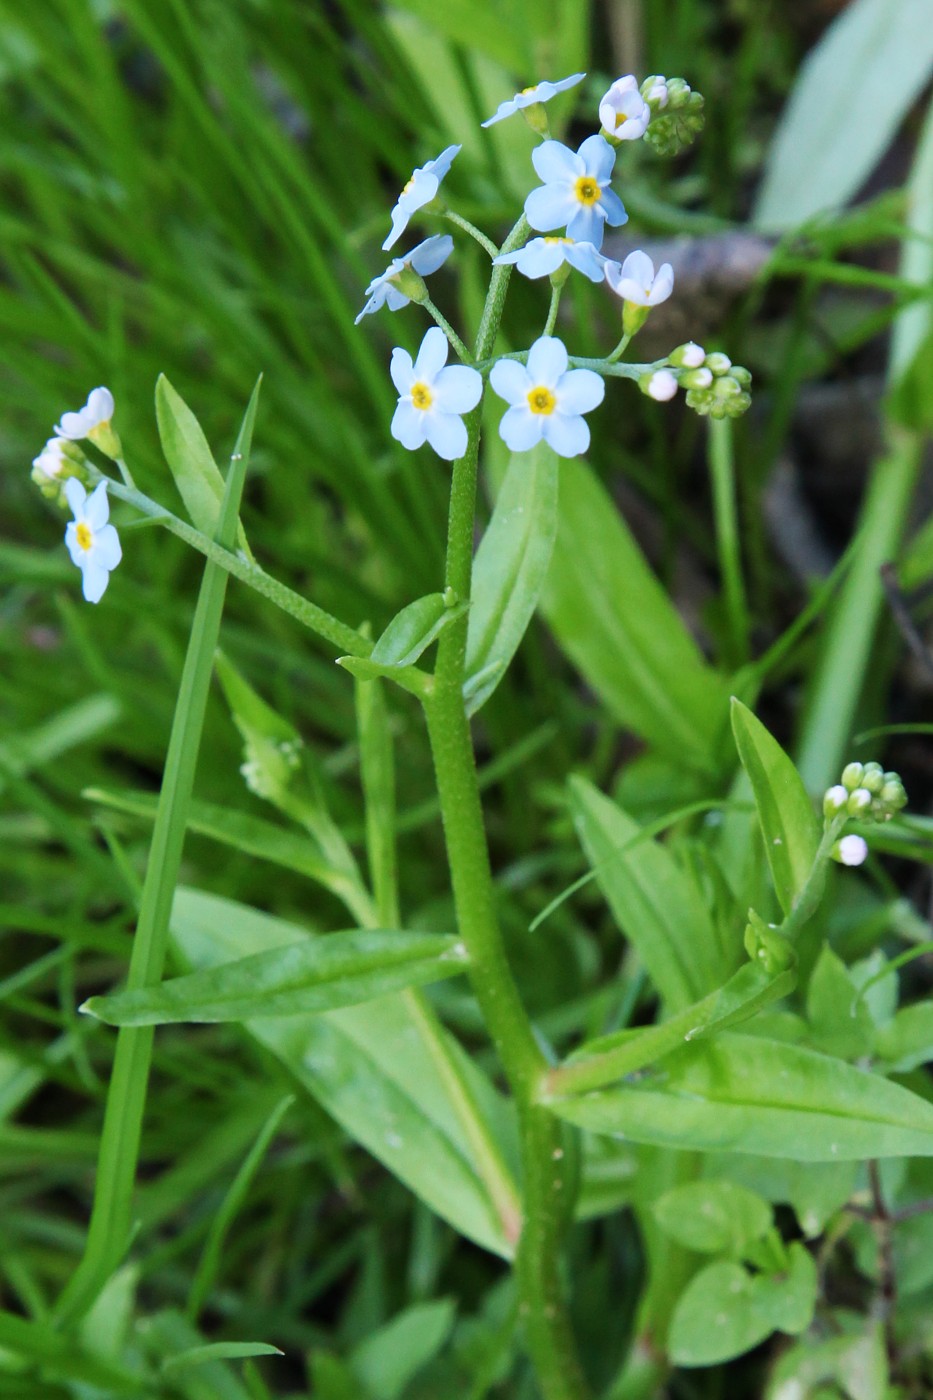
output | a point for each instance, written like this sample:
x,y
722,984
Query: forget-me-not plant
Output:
x,y
421,189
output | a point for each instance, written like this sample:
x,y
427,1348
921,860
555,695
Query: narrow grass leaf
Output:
x,y
217,1351
388,1360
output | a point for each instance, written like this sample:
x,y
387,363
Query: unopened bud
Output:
x,y
851,850
687,356
696,378
659,384
834,801
654,91
892,795
852,776
859,803
872,778
718,363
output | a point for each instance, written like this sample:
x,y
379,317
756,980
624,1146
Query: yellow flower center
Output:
x,y
83,535
525,91
558,240
587,190
421,396
409,186
541,400
621,119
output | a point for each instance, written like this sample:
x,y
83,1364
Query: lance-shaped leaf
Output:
x,y
191,461
742,1093
412,630
315,974
510,568
789,826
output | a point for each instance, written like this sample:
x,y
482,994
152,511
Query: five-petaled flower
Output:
x,y
92,543
542,256
419,191
541,92
547,399
624,113
575,193
425,259
92,421
635,280
433,396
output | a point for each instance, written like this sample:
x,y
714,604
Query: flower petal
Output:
x,y
73,426
663,284
520,429
431,254
97,510
598,156
100,405
71,542
440,165
75,495
94,581
432,357
556,163
639,267
395,299
547,361
586,259
510,380
586,225
107,550
539,258
567,434
580,391
447,434
614,209
457,389
408,425
402,370
550,206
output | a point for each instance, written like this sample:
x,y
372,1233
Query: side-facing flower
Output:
x,y
58,460
547,400
624,113
93,544
419,191
93,422
433,396
576,192
541,92
385,290
543,256
635,280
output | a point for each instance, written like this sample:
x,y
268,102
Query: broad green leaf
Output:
x,y
713,1217
617,624
510,568
395,1080
907,1040
789,826
311,975
741,1093
726,1310
187,451
845,109
389,1359
413,630
650,899
217,1351
815,1190
840,1024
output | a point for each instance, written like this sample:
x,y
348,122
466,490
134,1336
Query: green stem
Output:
x,y
722,470
619,351
111,1215
448,330
551,321
473,231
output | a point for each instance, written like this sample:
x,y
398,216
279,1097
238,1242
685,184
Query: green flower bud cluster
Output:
x,y
58,460
675,122
714,385
865,793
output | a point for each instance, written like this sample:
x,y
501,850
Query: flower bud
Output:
x,y
687,356
676,123
655,92
892,795
851,850
852,776
696,378
834,801
741,375
872,778
859,803
718,363
58,460
658,384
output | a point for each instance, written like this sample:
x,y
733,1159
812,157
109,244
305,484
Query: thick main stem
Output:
x,y
546,1178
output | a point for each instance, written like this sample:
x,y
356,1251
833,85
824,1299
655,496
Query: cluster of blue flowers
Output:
x,y
547,399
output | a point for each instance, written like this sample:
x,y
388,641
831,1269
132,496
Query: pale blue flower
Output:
x,y
95,414
635,280
433,396
419,191
575,194
542,256
425,259
541,92
624,113
93,544
547,399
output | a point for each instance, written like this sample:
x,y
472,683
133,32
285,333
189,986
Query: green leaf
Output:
x,y
742,1093
617,624
713,1217
840,1024
510,567
472,24
789,826
651,899
907,1040
217,1351
394,1079
389,1359
726,1310
845,109
412,630
313,975
197,476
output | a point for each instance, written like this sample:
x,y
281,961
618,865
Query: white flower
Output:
x,y
93,544
657,90
575,193
419,191
542,256
661,385
432,398
541,92
51,460
624,113
851,850
547,400
95,414
425,259
635,280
